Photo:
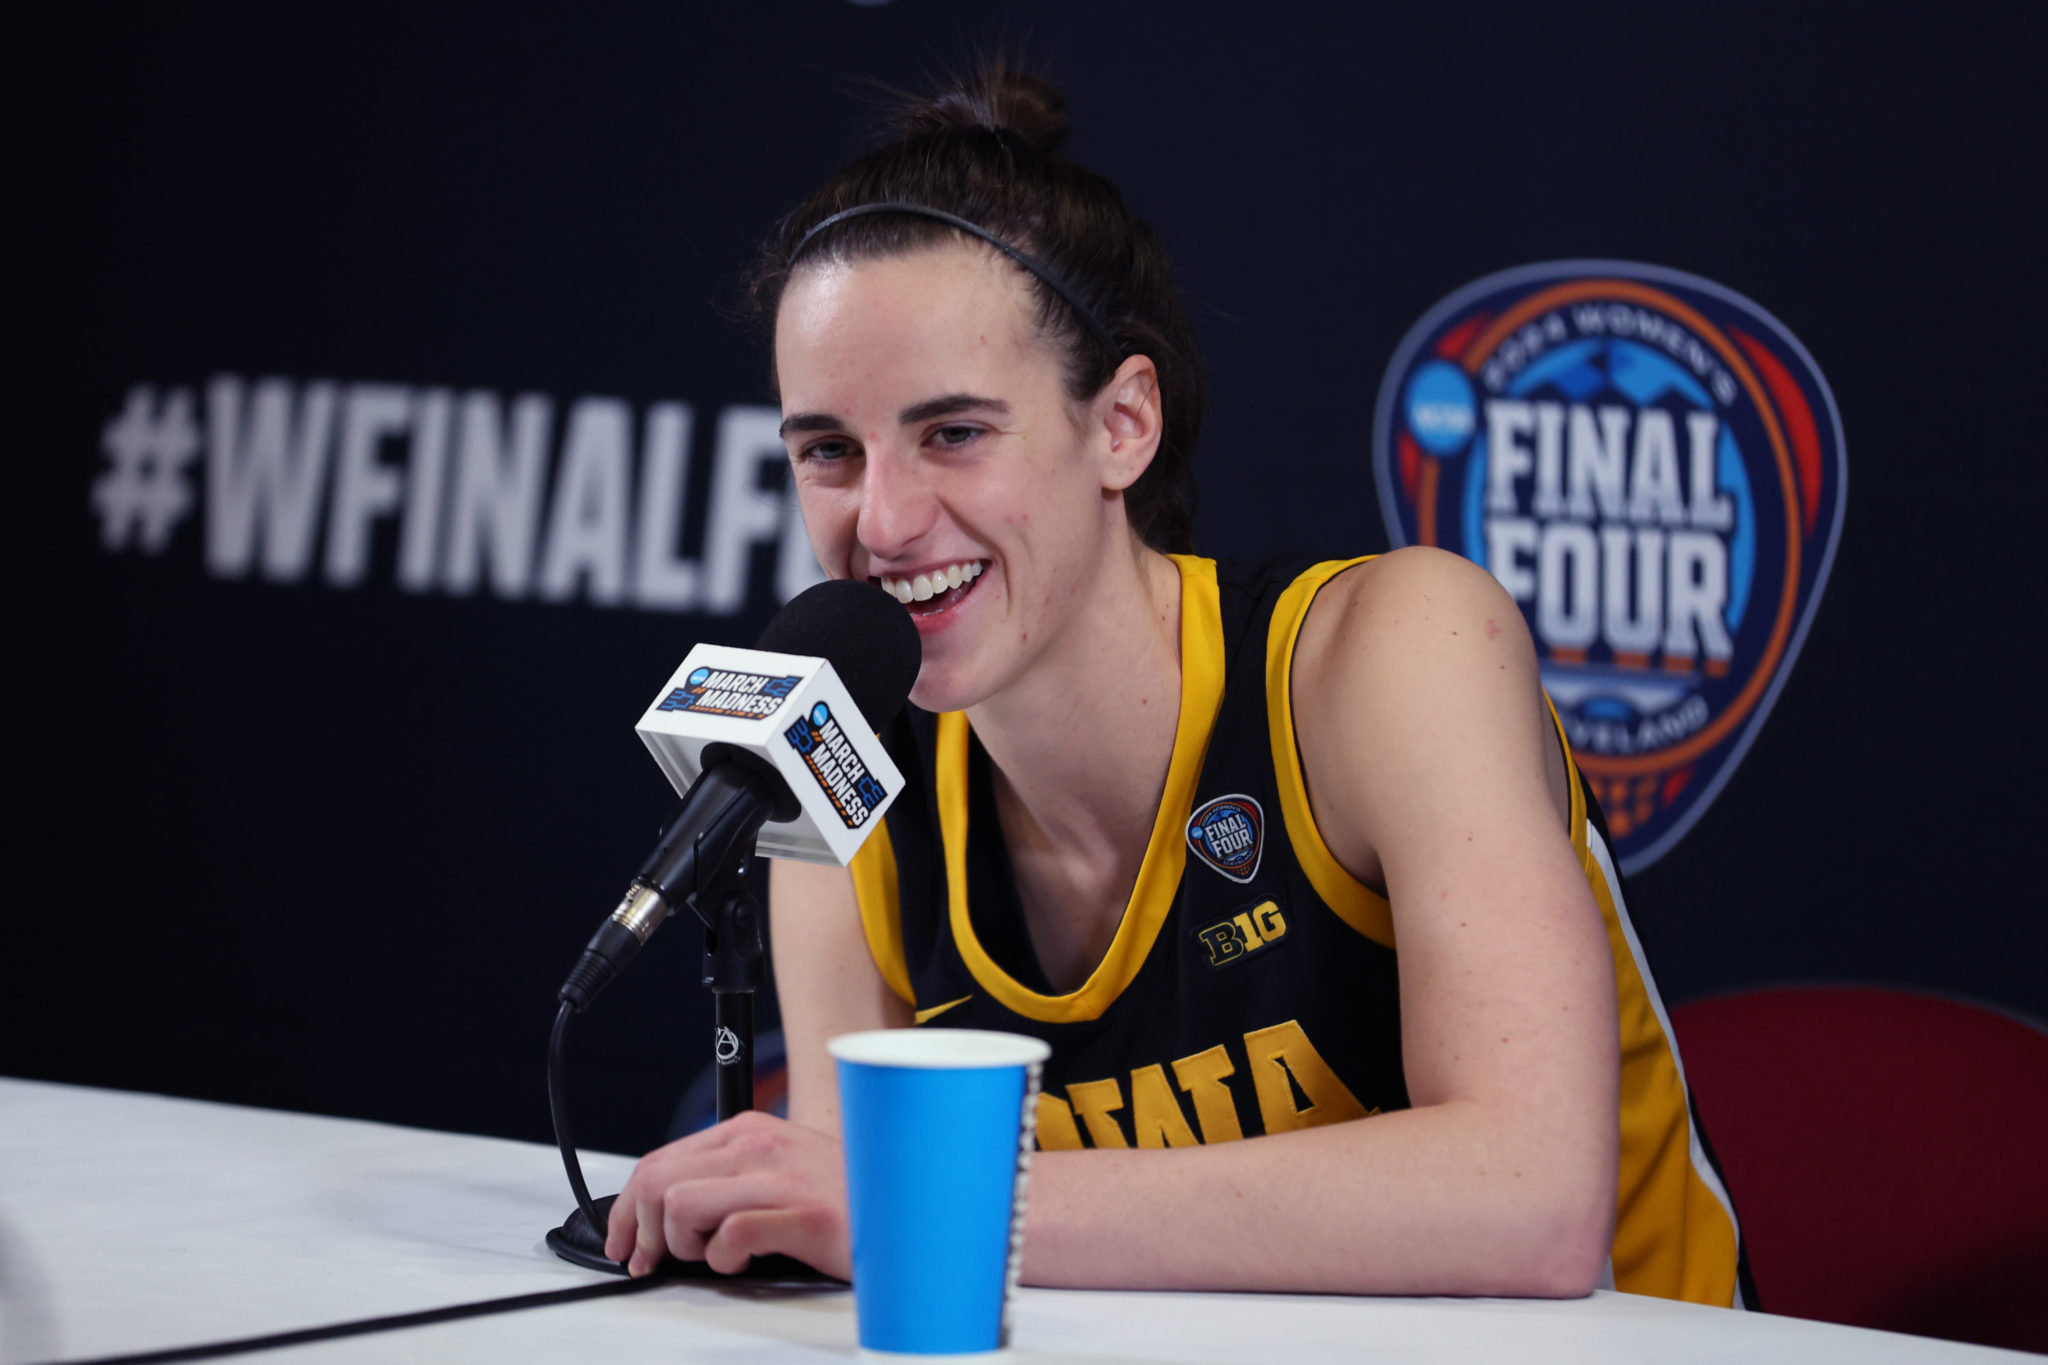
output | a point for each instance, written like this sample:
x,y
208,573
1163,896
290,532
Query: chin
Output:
x,y
936,697
940,688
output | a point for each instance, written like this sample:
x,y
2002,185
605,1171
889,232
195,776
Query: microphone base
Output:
x,y
580,1244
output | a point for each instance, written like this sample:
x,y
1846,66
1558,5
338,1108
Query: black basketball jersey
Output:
x,y
1252,984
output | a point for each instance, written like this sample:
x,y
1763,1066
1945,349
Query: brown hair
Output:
x,y
986,148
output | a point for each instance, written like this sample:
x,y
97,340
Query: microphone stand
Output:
x,y
735,959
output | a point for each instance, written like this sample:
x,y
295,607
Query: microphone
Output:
x,y
774,751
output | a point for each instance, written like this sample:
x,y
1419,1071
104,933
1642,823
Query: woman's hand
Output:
x,y
749,1186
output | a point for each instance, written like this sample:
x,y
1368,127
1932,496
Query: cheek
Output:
x,y
1061,520
829,517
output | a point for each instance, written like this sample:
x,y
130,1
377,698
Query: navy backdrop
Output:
x,y
317,807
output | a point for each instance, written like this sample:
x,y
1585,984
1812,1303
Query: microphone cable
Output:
x,y
392,1322
558,1109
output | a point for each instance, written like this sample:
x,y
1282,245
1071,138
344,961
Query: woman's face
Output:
x,y
937,454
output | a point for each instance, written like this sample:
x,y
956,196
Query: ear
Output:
x,y
1131,415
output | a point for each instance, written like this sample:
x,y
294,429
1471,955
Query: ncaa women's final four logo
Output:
x,y
1652,466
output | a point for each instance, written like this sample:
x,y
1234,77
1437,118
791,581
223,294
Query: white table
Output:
x,y
135,1222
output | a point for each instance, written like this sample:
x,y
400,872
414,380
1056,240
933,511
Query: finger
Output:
x,y
809,1234
647,1237
692,1210
620,1225
737,1147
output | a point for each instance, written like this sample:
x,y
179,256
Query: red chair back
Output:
x,y
1888,1156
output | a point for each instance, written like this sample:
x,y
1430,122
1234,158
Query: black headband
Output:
x,y
1045,274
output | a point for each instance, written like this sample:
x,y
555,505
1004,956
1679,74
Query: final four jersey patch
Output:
x,y
1229,834
1652,466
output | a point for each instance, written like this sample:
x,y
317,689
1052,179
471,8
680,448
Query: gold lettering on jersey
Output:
x,y
1056,1130
1247,933
1224,942
1283,1061
1155,1113
1097,1102
1202,1076
1284,1050
1272,924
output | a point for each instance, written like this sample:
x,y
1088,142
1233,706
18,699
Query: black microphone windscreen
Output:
x,y
863,632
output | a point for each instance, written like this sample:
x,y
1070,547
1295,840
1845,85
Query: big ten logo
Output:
x,y
1244,935
1291,1087
1653,469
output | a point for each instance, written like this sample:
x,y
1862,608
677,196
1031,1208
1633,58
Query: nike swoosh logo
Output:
x,y
924,1016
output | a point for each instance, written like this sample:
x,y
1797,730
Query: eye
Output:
x,y
955,434
828,450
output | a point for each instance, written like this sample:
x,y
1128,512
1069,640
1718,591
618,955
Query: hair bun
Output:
x,y
996,98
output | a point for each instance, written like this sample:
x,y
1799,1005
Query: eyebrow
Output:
x,y
946,405
811,421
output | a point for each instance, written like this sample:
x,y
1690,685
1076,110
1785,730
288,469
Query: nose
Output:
x,y
897,505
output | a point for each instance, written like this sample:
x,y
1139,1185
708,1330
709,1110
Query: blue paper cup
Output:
x,y
937,1126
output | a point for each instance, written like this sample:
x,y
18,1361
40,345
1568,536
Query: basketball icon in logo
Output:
x,y
1653,467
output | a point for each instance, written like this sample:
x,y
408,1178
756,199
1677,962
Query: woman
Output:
x,y
1175,816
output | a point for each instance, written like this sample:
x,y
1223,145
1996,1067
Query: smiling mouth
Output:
x,y
940,590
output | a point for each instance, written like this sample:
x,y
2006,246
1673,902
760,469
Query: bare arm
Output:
x,y
825,982
1433,767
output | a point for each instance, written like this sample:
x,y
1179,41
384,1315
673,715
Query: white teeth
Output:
x,y
925,586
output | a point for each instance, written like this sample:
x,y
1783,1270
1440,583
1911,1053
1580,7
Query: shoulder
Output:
x,y
1416,701
1415,610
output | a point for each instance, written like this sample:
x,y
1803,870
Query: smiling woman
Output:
x,y
1174,816
933,432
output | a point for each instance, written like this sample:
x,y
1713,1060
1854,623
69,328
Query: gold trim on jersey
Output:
x,y
881,912
1575,816
1201,694
1672,1237
926,1016
1658,1182
1355,903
